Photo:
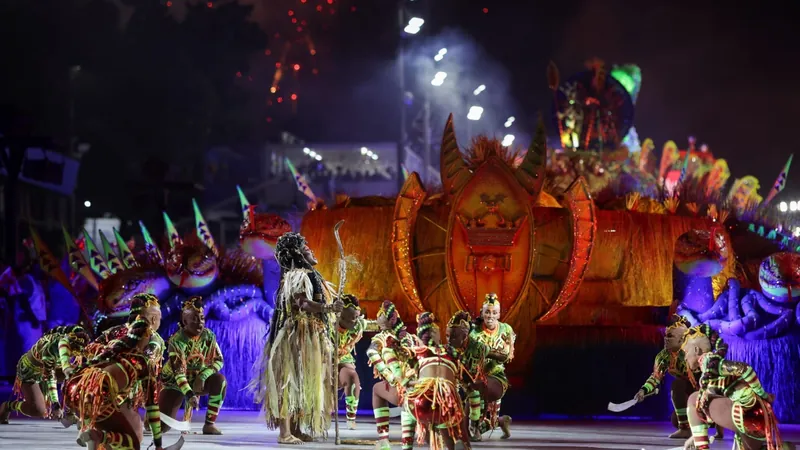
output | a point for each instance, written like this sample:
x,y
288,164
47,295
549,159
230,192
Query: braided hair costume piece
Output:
x,y
426,324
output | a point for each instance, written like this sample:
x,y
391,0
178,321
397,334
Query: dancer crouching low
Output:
x,y
433,397
52,352
106,393
730,396
352,326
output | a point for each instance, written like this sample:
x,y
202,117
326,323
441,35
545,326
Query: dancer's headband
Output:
x,y
491,300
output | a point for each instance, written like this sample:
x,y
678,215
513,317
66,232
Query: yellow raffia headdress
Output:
x,y
678,321
693,333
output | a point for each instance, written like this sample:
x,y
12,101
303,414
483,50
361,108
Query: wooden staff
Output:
x,y
335,371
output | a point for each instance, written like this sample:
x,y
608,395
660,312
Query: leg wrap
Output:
x,y
408,423
474,405
683,419
700,436
351,406
382,421
16,407
117,441
215,403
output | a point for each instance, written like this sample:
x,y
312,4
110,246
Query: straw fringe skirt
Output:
x,y
296,377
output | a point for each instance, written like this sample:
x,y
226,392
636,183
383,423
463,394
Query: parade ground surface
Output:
x,y
244,430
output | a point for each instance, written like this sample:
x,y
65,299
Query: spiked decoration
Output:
x,y
112,260
202,229
96,261
301,182
531,172
49,262
455,172
124,252
77,261
172,233
780,182
244,202
150,247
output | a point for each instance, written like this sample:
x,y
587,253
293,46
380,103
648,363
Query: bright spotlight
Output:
x,y
364,150
306,150
87,204
508,140
440,56
479,89
438,79
442,51
475,113
792,205
374,156
318,157
797,232
783,206
414,25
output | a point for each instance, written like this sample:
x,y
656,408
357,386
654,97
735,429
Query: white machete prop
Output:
x,y
619,407
176,424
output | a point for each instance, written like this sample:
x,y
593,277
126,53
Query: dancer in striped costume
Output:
x,y
393,364
731,396
671,360
352,326
107,391
38,368
500,338
193,368
433,398
119,331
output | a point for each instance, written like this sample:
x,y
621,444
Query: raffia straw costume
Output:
x,y
348,338
392,363
752,412
674,363
191,358
53,351
94,395
296,368
434,402
501,341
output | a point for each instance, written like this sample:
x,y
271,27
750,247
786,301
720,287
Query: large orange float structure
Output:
x,y
552,261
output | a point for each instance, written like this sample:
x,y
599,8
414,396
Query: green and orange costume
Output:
x,y
500,341
674,363
348,338
191,358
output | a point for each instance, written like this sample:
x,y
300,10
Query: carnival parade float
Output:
x,y
588,247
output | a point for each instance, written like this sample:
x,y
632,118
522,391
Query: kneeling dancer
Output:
x,y
671,360
730,396
52,352
352,326
433,397
295,382
393,363
193,367
107,392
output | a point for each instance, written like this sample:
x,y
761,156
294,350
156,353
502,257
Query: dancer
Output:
x,y
52,352
730,396
392,362
106,392
433,397
500,338
119,331
671,360
352,326
295,382
193,368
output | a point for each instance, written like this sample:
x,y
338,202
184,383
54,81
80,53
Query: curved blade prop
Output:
x,y
342,261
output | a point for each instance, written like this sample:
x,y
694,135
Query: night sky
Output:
x,y
724,74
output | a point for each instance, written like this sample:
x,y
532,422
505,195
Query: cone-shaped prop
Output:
x,y
244,202
172,233
112,260
124,252
150,247
48,262
202,229
77,261
96,261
